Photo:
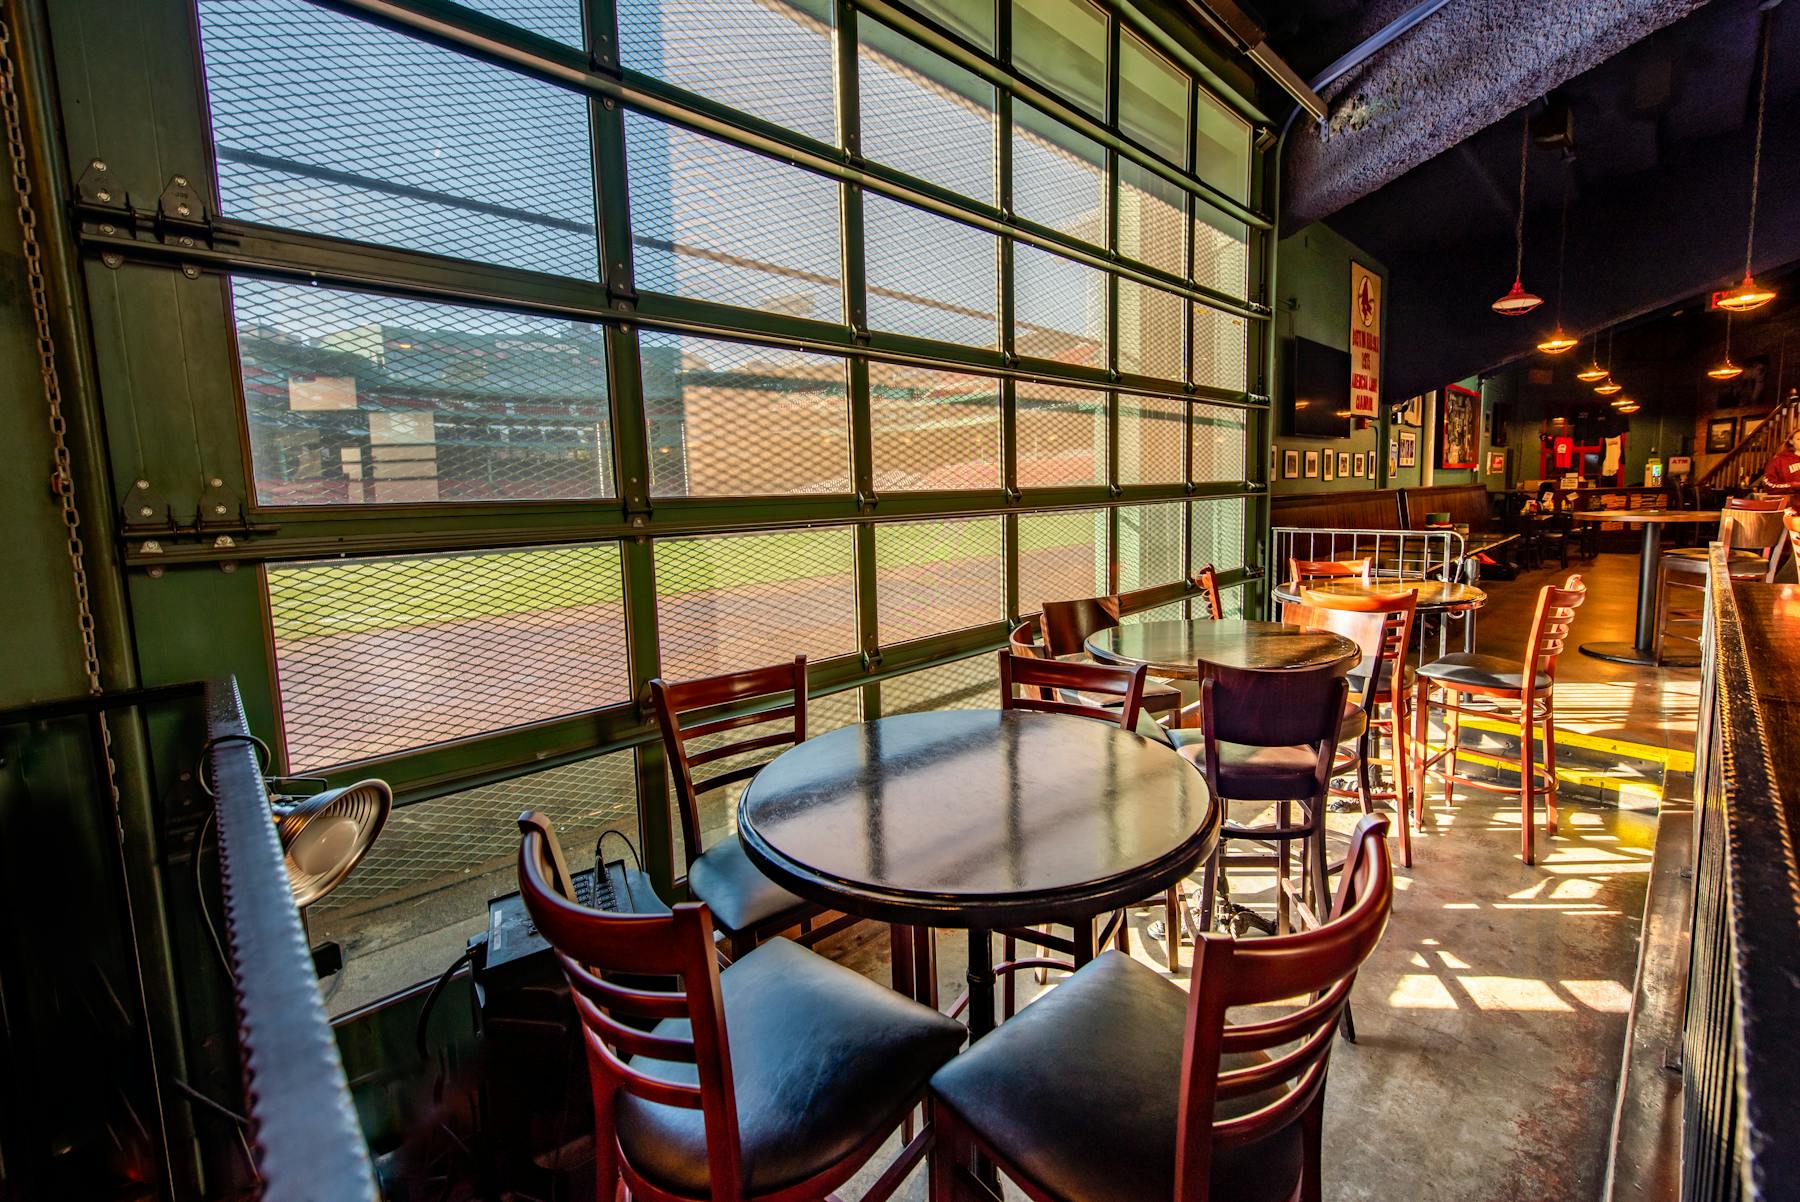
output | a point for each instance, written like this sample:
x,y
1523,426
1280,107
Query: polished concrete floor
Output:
x,y
1492,1018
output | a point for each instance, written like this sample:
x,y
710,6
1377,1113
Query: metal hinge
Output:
x,y
103,210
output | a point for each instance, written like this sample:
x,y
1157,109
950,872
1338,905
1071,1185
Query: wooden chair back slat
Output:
x,y
1044,679
1272,709
1303,571
1319,964
1067,625
674,699
1379,625
1550,624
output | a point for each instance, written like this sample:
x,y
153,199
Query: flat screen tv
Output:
x,y
1317,403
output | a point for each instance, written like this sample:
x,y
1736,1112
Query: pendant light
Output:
x,y
1749,294
1558,342
1609,386
1593,371
1630,407
1518,302
1726,370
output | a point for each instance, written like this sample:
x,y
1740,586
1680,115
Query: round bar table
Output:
x,y
980,819
1642,651
1173,650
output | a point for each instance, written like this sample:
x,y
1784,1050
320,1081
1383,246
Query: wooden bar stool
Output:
x,y
1529,683
778,1078
1754,534
1118,1086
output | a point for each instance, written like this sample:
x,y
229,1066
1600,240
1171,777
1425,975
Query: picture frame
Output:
x,y
1343,458
1312,465
1290,464
1411,412
1459,427
1371,472
1393,457
1721,435
1496,463
1359,464
1408,446
1325,466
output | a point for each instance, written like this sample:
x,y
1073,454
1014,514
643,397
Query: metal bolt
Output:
x,y
97,165
107,230
156,573
228,568
143,484
182,210
186,241
191,272
103,194
215,482
113,261
219,509
145,512
609,102
181,181
151,547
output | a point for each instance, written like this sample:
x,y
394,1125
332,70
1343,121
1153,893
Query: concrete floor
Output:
x,y
1492,1019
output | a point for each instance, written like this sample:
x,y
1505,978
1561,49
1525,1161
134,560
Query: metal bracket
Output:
x,y
867,501
871,660
220,508
621,296
96,189
144,511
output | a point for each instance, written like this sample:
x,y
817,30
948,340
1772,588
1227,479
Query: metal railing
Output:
x,y
1399,554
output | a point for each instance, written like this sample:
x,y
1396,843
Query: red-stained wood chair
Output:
x,y
747,905
1754,534
1529,683
1119,1087
1031,681
1381,627
774,1080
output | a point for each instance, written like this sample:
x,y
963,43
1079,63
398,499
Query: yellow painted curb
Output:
x,y
1574,776
1672,759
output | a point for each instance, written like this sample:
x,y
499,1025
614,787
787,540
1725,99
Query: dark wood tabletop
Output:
x,y
1174,649
1433,594
977,818
1658,516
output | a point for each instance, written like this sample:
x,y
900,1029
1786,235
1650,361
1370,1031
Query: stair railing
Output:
x,y
1743,465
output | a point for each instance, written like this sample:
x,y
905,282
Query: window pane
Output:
x,y
1062,557
357,399
923,114
1062,45
1149,330
1151,218
929,277
967,684
1059,176
1221,353
1221,252
1151,430
386,653
725,602
1153,99
933,429
423,889
1218,443
1150,550
559,19
1222,148
1059,308
769,58
713,222
973,19
1061,436
327,124
933,577
729,419
1217,533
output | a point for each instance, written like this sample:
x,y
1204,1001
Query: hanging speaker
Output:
x,y
325,835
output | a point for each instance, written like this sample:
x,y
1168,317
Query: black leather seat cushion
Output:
x,y
738,893
1254,773
1081,1089
822,1059
1487,671
1354,722
1159,697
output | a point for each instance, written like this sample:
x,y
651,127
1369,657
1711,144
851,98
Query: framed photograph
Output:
x,y
1359,465
1344,464
1411,412
1721,435
1370,474
1290,464
1312,465
1496,463
1393,457
1460,428
1408,445
1325,472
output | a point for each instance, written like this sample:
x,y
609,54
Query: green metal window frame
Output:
x,y
145,270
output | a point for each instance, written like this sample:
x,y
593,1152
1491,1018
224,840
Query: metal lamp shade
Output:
x,y
325,836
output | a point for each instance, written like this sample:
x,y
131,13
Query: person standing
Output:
x,y
1783,472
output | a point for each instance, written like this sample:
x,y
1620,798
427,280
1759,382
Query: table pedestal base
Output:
x,y
1628,653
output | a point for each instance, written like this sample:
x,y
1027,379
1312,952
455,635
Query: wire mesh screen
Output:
x,y
938,576
559,19
1150,550
383,654
1216,533
1218,436
764,57
1061,435
929,277
331,125
1152,215
923,114
353,398
933,429
967,684
716,223
1221,350
1221,252
731,419
1150,330
1151,430
1062,556
732,601
1059,176
1059,308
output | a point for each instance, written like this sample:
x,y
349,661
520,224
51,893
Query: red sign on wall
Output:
x,y
1365,342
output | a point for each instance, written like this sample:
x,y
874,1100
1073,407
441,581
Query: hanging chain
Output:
x,y
62,480
1762,104
1519,229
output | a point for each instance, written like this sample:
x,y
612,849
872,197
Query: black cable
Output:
x,y
600,863
432,997
264,757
